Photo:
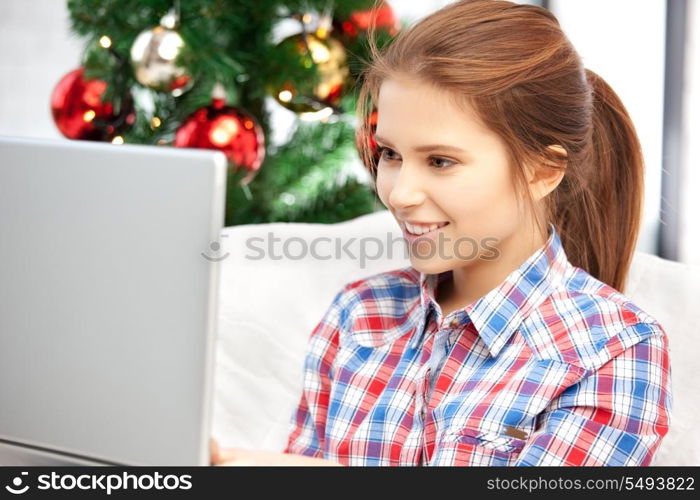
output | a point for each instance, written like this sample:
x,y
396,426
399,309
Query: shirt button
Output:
x,y
454,323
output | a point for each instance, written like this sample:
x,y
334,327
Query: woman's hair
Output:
x,y
519,72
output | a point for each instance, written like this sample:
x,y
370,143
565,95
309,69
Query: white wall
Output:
x,y
624,43
690,180
36,50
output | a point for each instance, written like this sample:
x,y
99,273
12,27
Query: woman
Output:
x,y
517,178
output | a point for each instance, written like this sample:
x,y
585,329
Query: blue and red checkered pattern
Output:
x,y
552,367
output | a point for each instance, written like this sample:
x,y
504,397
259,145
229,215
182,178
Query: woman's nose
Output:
x,y
407,190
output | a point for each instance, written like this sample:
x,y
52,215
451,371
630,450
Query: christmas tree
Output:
x,y
202,73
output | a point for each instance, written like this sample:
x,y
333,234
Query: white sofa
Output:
x,y
268,308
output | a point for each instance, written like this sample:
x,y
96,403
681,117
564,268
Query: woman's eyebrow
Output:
x,y
425,148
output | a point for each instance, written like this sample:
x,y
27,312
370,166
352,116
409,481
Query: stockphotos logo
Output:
x,y
17,487
102,482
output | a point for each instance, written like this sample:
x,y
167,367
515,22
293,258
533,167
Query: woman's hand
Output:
x,y
246,457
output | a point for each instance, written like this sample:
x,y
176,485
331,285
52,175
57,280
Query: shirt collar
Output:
x,y
498,314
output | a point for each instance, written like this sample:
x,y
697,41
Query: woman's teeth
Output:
x,y
418,230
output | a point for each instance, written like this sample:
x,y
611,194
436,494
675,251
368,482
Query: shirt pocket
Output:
x,y
498,441
471,446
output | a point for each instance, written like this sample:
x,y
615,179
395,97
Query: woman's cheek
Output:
x,y
478,209
386,179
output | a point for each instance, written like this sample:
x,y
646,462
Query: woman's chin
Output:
x,y
429,265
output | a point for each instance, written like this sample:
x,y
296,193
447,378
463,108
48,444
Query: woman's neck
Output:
x,y
477,277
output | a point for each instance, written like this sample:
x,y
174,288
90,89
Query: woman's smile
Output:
x,y
414,231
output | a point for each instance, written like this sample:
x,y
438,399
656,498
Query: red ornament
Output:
x,y
383,17
79,111
228,129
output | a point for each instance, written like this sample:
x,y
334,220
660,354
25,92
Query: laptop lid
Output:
x,y
108,292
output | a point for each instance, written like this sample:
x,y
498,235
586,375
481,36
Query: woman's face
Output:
x,y
440,165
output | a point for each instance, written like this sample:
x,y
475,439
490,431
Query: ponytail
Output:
x,y
599,224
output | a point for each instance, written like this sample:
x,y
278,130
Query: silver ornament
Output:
x,y
153,56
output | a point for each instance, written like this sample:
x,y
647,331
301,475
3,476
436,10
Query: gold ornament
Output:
x,y
330,58
153,56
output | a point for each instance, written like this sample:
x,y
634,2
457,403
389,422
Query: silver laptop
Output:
x,y
108,302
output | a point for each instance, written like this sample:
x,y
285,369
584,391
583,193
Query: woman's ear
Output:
x,y
545,177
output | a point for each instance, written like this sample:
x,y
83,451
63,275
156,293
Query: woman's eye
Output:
x,y
448,163
437,162
383,150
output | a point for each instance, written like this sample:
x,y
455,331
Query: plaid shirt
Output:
x,y
552,367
